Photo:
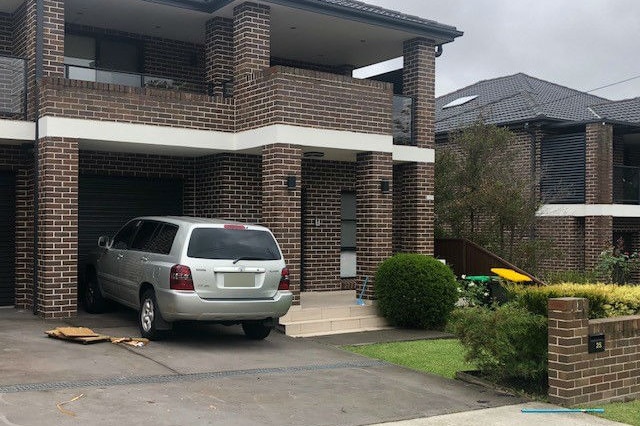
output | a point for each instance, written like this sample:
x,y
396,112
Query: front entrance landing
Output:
x,y
334,312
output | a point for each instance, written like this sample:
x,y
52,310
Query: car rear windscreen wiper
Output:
x,y
248,258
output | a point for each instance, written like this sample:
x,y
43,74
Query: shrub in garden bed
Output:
x,y
415,291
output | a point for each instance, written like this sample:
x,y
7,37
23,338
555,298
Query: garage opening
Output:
x,y
105,203
7,238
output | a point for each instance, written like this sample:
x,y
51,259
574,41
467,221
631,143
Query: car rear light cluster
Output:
x,y
284,279
180,278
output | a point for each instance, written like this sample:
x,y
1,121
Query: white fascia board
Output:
x,y
414,154
17,130
135,133
584,210
311,137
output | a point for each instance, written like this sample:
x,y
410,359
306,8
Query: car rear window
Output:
x,y
222,243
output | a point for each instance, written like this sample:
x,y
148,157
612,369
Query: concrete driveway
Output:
x,y
209,375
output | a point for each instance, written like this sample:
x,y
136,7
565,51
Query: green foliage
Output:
x,y
506,343
415,291
570,276
483,195
473,292
616,265
605,300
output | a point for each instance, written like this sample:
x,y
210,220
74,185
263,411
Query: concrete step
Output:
x,y
296,313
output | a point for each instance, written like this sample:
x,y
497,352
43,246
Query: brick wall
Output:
x,y
419,82
58,227
281,207
598,235
307,98
413,213
111,102
599,164
566,235
20,162
53,38
251,38
578,377
182,61
219,59
374,212
324,182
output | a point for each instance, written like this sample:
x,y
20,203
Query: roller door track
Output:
x,y
106,203
7,239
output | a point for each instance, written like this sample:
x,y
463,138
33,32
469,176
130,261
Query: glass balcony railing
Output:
x,y
626,185
13,87
76,72
403,120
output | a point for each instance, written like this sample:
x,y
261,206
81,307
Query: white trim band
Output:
x,y
17,130
583,210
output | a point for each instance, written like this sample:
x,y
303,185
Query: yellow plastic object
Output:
x,y
511,275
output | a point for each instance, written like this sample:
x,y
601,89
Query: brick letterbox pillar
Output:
x,y
568,340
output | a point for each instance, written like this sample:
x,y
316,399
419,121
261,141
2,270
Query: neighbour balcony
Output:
x,y
626,184
13,88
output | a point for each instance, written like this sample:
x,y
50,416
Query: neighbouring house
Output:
x,y
222,108
581,151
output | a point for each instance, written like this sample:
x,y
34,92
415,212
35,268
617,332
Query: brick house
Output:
x,y
223,108
581,151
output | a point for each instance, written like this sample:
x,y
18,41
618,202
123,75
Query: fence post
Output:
x,y
568,340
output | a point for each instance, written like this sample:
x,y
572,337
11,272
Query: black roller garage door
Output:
x,y
106,203
7,239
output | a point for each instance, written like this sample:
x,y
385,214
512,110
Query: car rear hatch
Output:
x,y
234,262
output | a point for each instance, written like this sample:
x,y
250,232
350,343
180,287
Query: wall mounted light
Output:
x,y
291,182
384,186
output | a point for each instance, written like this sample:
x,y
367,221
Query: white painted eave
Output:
x,y
15,130
585,210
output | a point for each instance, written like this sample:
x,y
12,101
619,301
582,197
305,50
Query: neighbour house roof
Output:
x,y
520,97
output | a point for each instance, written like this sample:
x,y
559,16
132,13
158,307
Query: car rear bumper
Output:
x,y
187,306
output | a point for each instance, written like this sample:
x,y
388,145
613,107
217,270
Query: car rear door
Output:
x,y
234,262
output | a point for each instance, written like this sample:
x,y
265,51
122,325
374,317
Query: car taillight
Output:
x,y
284,279
180,278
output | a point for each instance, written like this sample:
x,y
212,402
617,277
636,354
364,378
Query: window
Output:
x,y
222,243
164,239
108,53
145,235
348,235
122,240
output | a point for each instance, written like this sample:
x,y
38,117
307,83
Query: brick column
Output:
x,y
419,82
373,215
24,231
58,227
53,46
598,235
568,339
251,38
219,53
413,208
281,206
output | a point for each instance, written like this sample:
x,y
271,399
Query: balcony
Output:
x,y
403,113
13,87
75,72
626,185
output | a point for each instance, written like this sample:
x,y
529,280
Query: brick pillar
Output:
x,y
599,164
251,38
281,206
419,83
598,236
58,228
24,231
219,53
53,46
373,215
568,340
413,213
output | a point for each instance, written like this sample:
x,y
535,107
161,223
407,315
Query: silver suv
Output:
x,y
185,269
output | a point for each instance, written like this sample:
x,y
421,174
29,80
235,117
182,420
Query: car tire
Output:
x,y
92,298
256,330
149,316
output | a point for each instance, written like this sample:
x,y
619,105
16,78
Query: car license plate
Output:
x,y
239,279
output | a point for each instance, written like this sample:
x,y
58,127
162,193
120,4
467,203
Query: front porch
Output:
x,y
332,312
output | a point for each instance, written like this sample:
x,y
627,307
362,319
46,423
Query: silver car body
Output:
x,y
224,289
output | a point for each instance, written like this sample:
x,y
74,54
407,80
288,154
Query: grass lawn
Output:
x,y
442,356
627,412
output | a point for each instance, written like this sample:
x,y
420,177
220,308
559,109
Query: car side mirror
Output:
x,y
104,242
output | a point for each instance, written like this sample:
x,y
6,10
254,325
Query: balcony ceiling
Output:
x,y
296,34
9,6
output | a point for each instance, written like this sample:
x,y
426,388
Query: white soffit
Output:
x,y
405,154
584,210
17,130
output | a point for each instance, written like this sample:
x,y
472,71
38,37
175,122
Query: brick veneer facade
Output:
x,y
413,206
577,376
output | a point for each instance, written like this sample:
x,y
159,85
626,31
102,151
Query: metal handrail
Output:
x,y
19,69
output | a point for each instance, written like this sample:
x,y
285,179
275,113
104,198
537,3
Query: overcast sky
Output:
x,y
582,44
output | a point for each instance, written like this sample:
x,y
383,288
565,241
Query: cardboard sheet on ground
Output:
x,y
86,336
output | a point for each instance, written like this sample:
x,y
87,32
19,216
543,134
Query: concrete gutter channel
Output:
x,y
213,375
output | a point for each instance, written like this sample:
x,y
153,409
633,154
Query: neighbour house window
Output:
x,y
348,235
562,174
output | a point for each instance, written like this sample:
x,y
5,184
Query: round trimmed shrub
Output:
x,y
415,291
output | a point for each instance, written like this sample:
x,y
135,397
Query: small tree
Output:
x,y
483,196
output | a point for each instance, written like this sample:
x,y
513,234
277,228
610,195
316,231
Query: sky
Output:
x,y
582,44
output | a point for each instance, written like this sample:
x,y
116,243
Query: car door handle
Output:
x,y
120,256
144,259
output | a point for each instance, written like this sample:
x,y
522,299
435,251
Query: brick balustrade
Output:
x,y
577,376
